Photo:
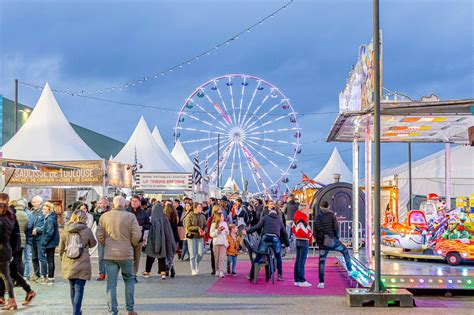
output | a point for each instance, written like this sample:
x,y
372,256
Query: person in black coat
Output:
x,y
327,238
273,230
7,223
50,238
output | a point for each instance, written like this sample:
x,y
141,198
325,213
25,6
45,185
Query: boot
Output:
x,y
172,272
11,305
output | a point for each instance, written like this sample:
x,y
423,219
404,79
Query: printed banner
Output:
x,y
164,181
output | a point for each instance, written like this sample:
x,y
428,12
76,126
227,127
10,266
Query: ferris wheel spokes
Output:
x,y
265,114
240,164
270,150
248,156
251,101
233,163
269,122
244,84
200,130
212,116
244,125
218,108
199,140
271,140
266,158
204,121
272,131
232,99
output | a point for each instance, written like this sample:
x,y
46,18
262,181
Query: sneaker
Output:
x,y
280,278
321,285
43,280
228,271
221,275
34,278
135,279
305,284
29,297
213,272
194,272
49,281
234,274
145,274
297,284
163,275
101,277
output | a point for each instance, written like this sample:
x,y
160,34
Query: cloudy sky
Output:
x,y
306,50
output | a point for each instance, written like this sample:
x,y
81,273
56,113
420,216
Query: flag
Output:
x,y
307,179
206,166
197,176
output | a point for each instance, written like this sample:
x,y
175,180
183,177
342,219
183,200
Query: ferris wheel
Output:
x,y
254,124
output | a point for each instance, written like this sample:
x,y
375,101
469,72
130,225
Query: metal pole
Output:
x,y
410,193
355,197
378,285
218,158
15,108
447,172
368,191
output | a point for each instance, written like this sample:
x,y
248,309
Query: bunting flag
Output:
x,y
206,166
197,176
306,179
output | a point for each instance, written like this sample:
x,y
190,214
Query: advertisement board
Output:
x,y
88,173
118,175
358,94
164,181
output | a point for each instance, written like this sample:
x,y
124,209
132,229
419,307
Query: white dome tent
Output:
x,y
47,136
159,140
148,153
180,155
335,165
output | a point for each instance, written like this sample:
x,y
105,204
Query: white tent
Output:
x,y
148,153
335,165
157,136
428,175
230,185
180,155
47,136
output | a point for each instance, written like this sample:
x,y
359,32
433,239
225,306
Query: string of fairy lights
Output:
x,y
153,76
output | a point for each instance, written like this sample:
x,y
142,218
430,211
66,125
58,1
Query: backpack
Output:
x,y
74,246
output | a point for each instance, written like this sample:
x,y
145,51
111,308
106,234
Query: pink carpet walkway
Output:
x,y
335,281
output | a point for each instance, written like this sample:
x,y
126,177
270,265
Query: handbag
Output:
x,y
328,241
181,233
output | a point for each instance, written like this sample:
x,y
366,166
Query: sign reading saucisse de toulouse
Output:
x,y
164,181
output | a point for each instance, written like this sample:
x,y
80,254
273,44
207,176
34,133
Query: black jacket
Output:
x,y
272,224
142,218
326,224
6,228
291,208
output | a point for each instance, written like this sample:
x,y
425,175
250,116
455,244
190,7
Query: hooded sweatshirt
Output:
x,y
79,268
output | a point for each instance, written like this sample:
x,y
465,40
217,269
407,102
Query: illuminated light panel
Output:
x,y
469,281
450,281
422,281
412,280
393,280
440,281
430,280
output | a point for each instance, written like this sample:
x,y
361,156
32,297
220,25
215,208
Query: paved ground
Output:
x,y
187,294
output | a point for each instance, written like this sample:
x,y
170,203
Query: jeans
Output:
x,y
6,280
27,261
77,292
302,248
38,256
291,237
113,267
231,263
100,253
184,249
196,251
50,261
274,242
324,251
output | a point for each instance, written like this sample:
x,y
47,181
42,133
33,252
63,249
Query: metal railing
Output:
x,y
345,234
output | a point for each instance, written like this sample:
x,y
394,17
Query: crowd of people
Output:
x,y
161,230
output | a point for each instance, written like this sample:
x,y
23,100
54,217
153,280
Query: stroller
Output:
x,y
252,242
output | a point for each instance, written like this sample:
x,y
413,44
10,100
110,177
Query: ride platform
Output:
x,y
409,274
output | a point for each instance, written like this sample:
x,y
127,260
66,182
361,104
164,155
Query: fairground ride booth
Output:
x,y
48,137
157,174
422,245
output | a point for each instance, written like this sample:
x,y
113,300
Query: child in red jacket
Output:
x,y
304,236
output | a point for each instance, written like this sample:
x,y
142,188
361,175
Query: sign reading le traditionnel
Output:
x,y
164,181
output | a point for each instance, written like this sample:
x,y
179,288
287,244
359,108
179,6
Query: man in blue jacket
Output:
x,y
37,252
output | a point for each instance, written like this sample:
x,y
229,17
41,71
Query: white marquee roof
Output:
x,y
335,165
180,155
47,136
159,139
152,157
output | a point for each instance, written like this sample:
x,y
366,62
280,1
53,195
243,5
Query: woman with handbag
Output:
x,y
327,237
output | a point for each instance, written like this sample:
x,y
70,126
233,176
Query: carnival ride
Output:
x,y
243,126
